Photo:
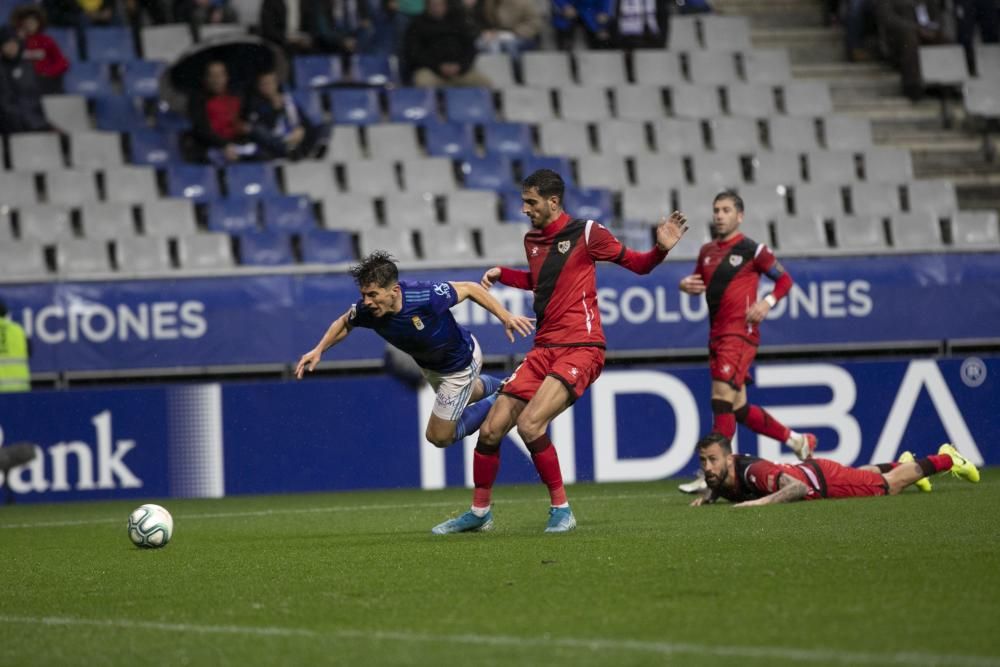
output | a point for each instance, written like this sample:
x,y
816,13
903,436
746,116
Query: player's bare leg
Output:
x,y
445,432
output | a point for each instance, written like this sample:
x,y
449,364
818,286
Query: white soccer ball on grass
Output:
x,y
150,526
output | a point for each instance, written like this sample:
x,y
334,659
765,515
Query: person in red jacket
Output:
x,y
40,49
568,353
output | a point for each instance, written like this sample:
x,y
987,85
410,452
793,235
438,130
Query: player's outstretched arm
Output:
x,y
706,497
692,284
670,230
511,322
337,332
490,278
790,490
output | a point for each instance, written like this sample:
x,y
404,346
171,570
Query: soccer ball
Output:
x,y
150,526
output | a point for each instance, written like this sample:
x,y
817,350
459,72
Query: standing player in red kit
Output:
x,y
728,272
568,354
749,481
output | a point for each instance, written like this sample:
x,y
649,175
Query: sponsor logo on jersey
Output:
x,y
563,247
735,260
417,322
534,251
574,371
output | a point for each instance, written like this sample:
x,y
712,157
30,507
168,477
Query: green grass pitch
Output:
x,y
357,579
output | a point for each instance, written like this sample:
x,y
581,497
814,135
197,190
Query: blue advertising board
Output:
x,y
635,423
273,319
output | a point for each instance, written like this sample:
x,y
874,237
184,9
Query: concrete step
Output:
x,y
836,72
805,45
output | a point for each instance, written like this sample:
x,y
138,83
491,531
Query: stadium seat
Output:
x,y
730,33
864,234
165,42
344,144
975,230
734,135
510,139
209,31
371,177
503,244
205,251
140,255
233,216
265,249
563,137
916,231
82,256
777,167
434,175
440,244
107,220
640,102
888,165
348,211
721,170
168,217
327,246
583,104
593,204
141,78
792,133
684,33
766,202
288,213
766,66
35,151
465,208
800,235
605,171
17,188
468,105
410,210
374,69
153,147
491,172
846,133
311,104
677,136
646,205
806,98
88,79
251,180
454,140
316,71
750,100
831,167
497,68
716,68
23,260
45,222
392,141
130,184
66,39
599,68
109,44
689,100
935,195
696,200
874,199
658,171
511,206
624,137
546,69
687,248
95,149
412,105
170,120
560,165
352,106
196,182
943,65
397,241
71,187
818,200
756,227
117,113
67,112
656,67
526,105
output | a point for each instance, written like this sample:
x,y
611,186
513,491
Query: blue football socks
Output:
x,y
474,415
490,384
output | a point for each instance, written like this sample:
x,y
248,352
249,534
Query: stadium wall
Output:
x,y
639,423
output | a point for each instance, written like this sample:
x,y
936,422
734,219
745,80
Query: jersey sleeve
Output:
x,y
443,297
762,477
359,316
765,262
603,246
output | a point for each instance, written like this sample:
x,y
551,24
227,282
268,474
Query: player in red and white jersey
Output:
x,y
568,354
728,272
749,481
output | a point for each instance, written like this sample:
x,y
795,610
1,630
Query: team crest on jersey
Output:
x,y
726,368
417,322
735,260
442,289
563,247
534,251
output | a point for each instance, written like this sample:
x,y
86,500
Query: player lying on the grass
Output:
x,y
748,480
415,316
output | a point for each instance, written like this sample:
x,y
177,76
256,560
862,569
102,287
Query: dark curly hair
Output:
x,y
715,438
378,268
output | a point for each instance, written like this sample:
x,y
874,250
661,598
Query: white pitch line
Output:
x,y
312,510
592,645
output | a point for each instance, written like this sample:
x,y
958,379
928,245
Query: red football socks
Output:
x,y
547,464
941,462
484,472
760,421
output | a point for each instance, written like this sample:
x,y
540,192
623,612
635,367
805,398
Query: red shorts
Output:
x,y
729,360
575,367
844,482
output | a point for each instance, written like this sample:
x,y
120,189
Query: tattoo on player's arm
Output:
x,y
790,491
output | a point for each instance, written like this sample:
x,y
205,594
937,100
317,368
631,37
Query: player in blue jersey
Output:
x,y
416,317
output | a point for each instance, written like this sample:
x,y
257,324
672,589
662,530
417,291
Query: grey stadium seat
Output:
x,y
82,256
721,170
139,255
450,244
874,199
987,61
169,217
205,251
755,227
734,135
95,150
846,133
348,211
393,141
831,167
694,101
546,69
472,208
943,65
371,177
602,171
71,187
800,235
165,42
35,151
645,204
600,68
767,66
725,32
344,144
310,177
583,103
6,226
935,195
792,133
207,31
712,67
807,98
23,259
859,233
624,137
982,98
639,103
656,67
45,222
67,112
107,220
975,230
17,188
410,210
497,68
398,241
130,184
431,174
696,202
678,136
766,202
659,171
526,105
751,100
916,231
818,200
563,137
684,33
690,244
888,165
503,243
778,167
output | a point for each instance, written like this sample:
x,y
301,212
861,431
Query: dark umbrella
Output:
x,y
245,57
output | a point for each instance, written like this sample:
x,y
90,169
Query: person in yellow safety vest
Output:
x,y
14,372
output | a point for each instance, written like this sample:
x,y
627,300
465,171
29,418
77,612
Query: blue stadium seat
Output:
x,y
153,147
168,119
592,204
251,180
110,44
355,106
469,105
311,104
560,165
454,140
375,70
233,215
510,139
118,113
141,78
66,39
192,181
491,172
412,105
316,71
327,246
290,213
88,79
511,205
266,249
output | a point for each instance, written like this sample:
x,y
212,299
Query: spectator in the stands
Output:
x,y
973,14
905,25
439,48
218,132
20,96
338,26
594,16
278,125
144,12
388,27
859,21
39,48
641,24
203,12
281,23
508,26
80,13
